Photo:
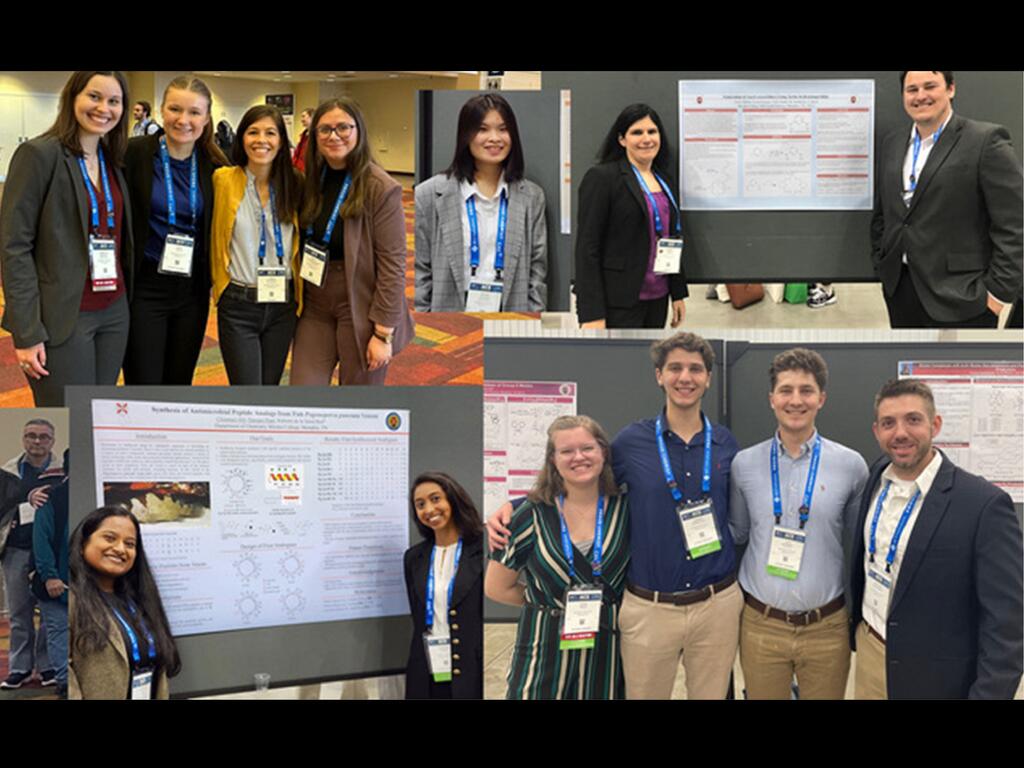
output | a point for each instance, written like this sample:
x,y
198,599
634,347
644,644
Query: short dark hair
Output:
x,y
471,116
612,150
945,73
146,107
42,423
65,127
799,359
464,511
307,111
689,342
283,175
900,387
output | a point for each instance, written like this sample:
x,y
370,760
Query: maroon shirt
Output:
x,y
95,301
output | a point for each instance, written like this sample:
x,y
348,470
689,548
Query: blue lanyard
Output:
x,y
595,549
650,198
430,582
904,517
812,475
94,205
474,234
917,151
193,186
278,247
342,194
133,640
670,480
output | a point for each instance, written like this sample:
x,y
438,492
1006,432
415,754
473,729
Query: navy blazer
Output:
x,y
956,616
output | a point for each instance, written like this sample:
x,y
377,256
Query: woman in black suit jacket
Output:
x,y
169,308
616,286
453,533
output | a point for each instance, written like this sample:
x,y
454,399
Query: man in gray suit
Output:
x,y
947,237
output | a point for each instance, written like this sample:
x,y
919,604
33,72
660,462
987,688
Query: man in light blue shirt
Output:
x,y
792,499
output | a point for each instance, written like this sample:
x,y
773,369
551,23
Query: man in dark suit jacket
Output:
x,y
947,236
940,614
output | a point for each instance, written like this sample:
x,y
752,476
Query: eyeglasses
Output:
x,y
344,130
38,437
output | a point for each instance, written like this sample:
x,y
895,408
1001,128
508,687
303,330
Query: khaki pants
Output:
x,y
655,636
772,651
869,679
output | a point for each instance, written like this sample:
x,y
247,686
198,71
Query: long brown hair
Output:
x,y
65,128
284,178
357,164
549,484
205,142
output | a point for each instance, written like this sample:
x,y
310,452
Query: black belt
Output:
x,y
683,598
796,618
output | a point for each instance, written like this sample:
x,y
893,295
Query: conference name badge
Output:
x,y
177,256
787,550
484,296
439,656
582,619
142,686
271,285
103,263
877,588
314,259
700,534
669,256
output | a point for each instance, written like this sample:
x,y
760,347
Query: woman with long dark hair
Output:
x,y
170,179
120,644
353,256
66,242
444,581
481,235
255,248
629,243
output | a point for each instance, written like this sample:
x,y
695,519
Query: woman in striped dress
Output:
x,y
570,541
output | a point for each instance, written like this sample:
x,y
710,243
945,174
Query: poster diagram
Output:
x,y
258,516
982,409
516,419
776,144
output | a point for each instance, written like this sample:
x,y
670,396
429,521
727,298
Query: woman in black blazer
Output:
x,y
453,621
66,242
172,288
616,284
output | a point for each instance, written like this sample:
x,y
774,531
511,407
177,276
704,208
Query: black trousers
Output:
x,y
906,310
644,314
254,338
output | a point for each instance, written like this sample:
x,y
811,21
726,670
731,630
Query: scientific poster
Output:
x,y
261,516
776,144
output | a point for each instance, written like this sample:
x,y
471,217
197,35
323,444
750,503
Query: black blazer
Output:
x,y
956,616
139,171
613,245
465,620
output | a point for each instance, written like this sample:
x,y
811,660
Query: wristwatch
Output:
x,y
387,338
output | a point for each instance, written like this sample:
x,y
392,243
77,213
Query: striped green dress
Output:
x,y
539,669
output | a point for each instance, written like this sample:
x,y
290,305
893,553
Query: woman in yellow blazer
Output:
x,y
254,250
119,640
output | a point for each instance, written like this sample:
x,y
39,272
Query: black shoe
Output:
x,y
15,680
48,677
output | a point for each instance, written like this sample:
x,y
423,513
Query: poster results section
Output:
x,y
261,516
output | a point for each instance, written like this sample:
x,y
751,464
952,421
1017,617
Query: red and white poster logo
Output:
x,y
122,408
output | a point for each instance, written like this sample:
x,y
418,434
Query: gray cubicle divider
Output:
x,y
768,246
446,434
537,115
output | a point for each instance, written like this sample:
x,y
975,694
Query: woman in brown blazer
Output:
x,y
353,256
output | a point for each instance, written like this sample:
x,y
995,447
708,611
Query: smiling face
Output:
x,y
98,106
642,141
336,145
685,379
432,507
578,457
185,114
904,428
491,144
110,550
262,141
927,99
796,400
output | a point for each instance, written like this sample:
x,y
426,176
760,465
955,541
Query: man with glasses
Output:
x,y
28,648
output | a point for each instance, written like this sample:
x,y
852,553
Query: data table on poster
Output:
x,y
261,516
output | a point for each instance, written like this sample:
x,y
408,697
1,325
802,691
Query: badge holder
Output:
x,y
103,263
484,295
877,588
700,533
177,256
314,262
669,256
439,656
786,553
142,686
271,285
581,620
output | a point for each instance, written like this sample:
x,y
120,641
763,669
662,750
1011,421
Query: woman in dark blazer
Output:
x,y
172,296
453,533
616,285
66,242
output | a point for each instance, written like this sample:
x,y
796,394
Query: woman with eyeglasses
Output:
x,y
353,253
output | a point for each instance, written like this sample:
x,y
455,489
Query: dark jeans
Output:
x,y
254,338
644,314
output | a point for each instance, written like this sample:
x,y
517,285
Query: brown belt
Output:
x,y
873,633
796,618
682,598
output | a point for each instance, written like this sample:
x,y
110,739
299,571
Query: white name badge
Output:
x,y
177,256
26,513
668,258
582,619
700,534
271,285
484,296
314,259
877,588
103,263
142,686
786,552
439,656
